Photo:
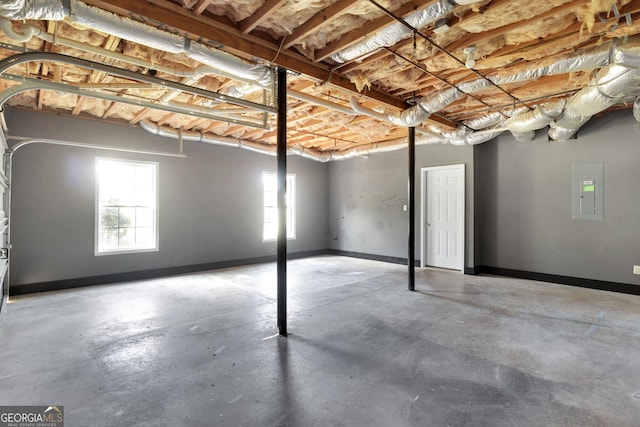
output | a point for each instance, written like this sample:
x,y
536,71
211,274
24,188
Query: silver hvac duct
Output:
x,y
476,138
26,32
169,132
619,77
307,153
608,88
591,59
524,136
523,125
636,109
610,85
226,141
137,32
488,120
319,156
541,116
366,150
33,9
395,32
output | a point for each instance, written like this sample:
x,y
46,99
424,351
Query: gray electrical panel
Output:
x,y
587,191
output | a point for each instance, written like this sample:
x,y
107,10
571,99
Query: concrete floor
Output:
x,y
198,350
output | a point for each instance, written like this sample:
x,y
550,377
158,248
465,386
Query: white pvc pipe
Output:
x,y
27,31
26,141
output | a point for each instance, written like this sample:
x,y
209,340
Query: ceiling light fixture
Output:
x,y
471,52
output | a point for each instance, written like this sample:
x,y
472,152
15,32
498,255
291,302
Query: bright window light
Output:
x,y
270,216
126,206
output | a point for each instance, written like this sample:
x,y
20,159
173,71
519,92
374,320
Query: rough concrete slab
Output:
x,y
200,350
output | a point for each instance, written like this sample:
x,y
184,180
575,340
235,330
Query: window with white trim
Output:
x,y
270,215
126,206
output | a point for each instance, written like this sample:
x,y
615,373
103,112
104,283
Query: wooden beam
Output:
x,y
266,10
249,47
310,121
202,28
574,31
111,43
233,129
476,38
355,64
323,17
51,29
40,99
368,28
113,107
217,125
300,138
195,122
251,133
141,115
57,73
430,84
201,6
165,118
79,105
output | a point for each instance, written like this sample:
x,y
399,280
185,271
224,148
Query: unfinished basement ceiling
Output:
x,y
361,71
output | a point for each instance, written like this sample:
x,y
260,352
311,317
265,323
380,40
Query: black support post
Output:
x,y
412,210
282,211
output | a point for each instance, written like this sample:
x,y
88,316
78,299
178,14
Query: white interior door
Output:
x,y
443,216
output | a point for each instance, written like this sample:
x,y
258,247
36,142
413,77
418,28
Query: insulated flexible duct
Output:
x,y
137,32
567,127
524,136
225,141
636,109
33,9
26,32
396,32
476,138
462,138
591,59
608,88
541,116
320,156
605,91
619,77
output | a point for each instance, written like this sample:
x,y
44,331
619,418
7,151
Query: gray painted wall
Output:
x,y
210,204
518,201
366,198
524,217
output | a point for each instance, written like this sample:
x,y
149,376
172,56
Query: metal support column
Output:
x,y
412,209
282,211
